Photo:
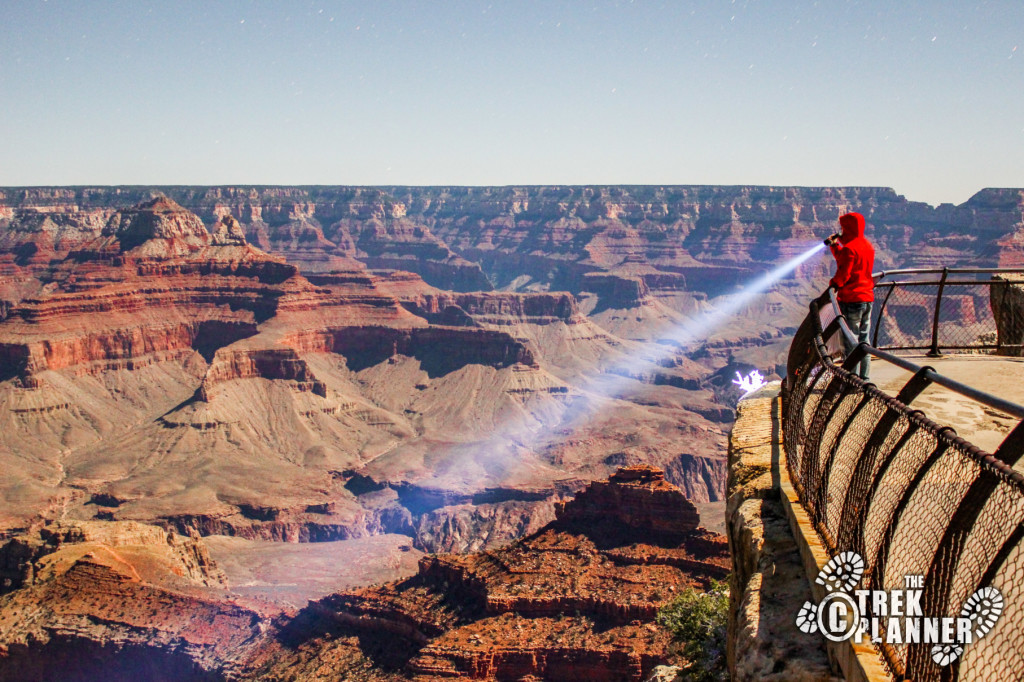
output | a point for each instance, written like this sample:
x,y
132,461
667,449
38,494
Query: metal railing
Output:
x,y
947,309
908,495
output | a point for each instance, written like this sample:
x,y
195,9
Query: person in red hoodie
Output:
x,y
855,288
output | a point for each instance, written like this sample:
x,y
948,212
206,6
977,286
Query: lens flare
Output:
x,y
750,383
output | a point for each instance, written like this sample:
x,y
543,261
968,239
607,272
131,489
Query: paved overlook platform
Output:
x,y
776,552
914,473
998,375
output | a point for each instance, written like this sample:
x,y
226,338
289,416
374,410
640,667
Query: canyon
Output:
x,y
325,363
423,370
135,601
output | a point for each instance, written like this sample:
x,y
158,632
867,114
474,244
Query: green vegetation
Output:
x,y
698,621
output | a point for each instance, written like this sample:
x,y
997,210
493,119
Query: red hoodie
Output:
x,y
856,259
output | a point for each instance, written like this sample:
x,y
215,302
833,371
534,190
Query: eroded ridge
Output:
x,y
576,599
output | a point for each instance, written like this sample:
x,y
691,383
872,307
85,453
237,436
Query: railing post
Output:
x,y
1011,449
881,311
913,388
934,352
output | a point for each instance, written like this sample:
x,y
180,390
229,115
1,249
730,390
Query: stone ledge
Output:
x,y
768,584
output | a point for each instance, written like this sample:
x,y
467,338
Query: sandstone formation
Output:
x,y
117,601
576,599
636,497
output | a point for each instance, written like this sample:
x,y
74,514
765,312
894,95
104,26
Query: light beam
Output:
x,y
600,390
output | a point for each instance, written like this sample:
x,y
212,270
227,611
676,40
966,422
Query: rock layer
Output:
x,y
577,597
120,601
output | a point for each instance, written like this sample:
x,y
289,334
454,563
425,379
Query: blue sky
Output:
x,y
924,97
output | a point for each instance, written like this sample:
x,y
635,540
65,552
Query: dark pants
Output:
x,y
858,316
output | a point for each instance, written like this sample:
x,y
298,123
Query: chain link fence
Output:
x,y
907,494
936,310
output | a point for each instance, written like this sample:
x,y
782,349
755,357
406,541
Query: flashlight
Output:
x,y
830,241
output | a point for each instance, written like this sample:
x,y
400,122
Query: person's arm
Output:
x,y
844,262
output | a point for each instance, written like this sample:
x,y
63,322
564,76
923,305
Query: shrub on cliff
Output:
x,y
698,621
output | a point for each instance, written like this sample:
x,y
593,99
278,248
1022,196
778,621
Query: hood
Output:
x,y
853,226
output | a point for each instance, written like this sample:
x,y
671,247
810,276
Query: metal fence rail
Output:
x,y
947,309
910,496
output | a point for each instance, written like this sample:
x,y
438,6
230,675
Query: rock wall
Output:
x,y
768,583
1008,308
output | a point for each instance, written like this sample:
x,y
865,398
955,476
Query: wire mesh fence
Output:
x,y
906,494
949,310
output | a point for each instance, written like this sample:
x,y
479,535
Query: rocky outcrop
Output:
x,y
571,599
268,363
227,231
40,555
160,226
635,496
115,600
701,478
